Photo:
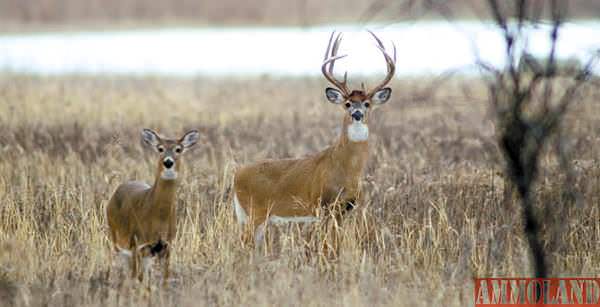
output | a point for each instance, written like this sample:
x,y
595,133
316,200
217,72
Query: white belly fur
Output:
x,y
292,219
147,263
240,213
241,216
278,220
124,252
125,258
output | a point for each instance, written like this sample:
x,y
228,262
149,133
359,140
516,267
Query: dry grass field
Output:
x,y
432,217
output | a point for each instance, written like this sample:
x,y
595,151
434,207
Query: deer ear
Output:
x,y
190,139
382,95
150,137
334,96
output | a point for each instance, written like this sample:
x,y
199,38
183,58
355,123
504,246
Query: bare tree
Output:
x,y
528,102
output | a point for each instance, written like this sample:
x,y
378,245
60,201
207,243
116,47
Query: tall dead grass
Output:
x,y
432,218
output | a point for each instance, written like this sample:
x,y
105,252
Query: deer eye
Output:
x,y
178,149
348,104
161,149
367,104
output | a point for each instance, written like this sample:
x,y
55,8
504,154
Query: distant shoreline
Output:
x,y
217,51
8,27
132,25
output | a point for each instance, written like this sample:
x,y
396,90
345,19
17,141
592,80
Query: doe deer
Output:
x,y
141,218
296,189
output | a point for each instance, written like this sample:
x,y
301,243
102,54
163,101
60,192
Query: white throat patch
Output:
x,y
169,174
358,132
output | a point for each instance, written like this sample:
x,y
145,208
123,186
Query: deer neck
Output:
x,y
354,133
163,192
353,144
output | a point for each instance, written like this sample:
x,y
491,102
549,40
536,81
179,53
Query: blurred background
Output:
x,y
233,12
263,37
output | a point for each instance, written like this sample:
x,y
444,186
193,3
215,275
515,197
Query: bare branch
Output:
x,y
521,8
523,129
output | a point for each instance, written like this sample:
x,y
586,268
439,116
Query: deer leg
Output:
x,y
112,251
258,228
332,248
166,261
111,262
135,261
147,262
246,235
259,232
253,230
333,225
344,208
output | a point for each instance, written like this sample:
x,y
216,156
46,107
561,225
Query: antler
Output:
x,y
391,65
329,59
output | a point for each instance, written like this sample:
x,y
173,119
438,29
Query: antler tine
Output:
x,y
328,46
334,50
382,48
377,39
330,58
390,62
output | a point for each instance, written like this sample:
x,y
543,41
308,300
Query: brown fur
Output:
x,y
358,96
141,218
299,187
329,179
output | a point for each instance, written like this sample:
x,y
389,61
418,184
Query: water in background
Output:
x,y
422,47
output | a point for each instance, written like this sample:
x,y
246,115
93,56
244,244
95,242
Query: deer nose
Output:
x,y
168,162
357,115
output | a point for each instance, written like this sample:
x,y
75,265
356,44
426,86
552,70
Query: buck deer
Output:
x,y
141,218
293,190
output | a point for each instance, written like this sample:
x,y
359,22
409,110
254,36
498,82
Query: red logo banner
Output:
x,y
528,292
